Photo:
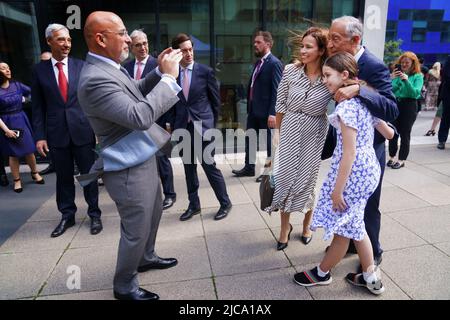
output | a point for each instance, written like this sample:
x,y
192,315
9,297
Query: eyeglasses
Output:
x,y
122,33
140,45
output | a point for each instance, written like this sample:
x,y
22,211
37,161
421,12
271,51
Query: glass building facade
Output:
x,y
221,29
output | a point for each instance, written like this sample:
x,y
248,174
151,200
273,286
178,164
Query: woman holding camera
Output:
x,y
407,84
17,140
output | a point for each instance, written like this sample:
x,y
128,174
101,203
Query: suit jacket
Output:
x,y
381,103
151,64
114,103
53,119
203,102
265,88
445,90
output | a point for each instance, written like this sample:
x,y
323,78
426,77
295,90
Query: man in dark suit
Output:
x,y
445,96
139,68
61,128
198,111
346,35
261,98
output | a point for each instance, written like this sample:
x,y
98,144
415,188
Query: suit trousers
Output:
x,y
63,159
444,127
213,174
136,192
166,174
257,124
372,214
404,124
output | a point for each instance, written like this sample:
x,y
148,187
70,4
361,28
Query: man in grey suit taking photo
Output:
x,y
115,104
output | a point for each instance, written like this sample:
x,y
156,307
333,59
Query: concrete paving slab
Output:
x,y
91,295
96,265
35,236
420,185
444,246
23,274
422,272
243,217
300,254
394,236
193,262
340,289
109,236
172,229
395,199
426,155
432,223
184,290
265,285
244,252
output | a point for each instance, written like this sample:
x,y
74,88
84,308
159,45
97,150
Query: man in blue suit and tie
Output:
x,y
346,35
198,111
61,128
138,68
261,98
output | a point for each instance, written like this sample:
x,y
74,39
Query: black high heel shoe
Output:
x,y
42,181
281,245
306,240
430,133
18,190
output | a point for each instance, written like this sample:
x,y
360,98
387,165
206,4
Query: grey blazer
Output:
x,y
115,104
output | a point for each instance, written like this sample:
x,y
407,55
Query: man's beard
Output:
x,y
124,56
258,54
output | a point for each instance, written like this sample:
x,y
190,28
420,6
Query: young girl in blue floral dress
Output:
x,y
353,177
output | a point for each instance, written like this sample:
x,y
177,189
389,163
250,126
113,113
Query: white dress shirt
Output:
x,y
359,54
65,62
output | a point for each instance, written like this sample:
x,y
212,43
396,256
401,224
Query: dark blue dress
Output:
x,y
12,114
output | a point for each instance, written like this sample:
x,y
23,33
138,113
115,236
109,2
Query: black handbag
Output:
x,y
266,192
330,143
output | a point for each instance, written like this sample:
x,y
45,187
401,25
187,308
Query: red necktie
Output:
x,y
62,81
139,71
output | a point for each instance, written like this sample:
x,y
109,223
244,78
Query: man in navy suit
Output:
x,y
139,68
61,128
198,111
261,98
346,35
445,120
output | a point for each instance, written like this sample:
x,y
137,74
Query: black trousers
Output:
x,y
445,123
63,159
2,165
213,174
257,124
166,175
404,124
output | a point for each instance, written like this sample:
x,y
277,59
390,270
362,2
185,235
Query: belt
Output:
x,y
4,113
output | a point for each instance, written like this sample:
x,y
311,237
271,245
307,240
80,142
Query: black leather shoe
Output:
x,y
139,295
441,145
223,212
398,165
189,213
4,180
306,240
62,227
49,169
168,202
96,226
283,245
244,172
259,179
159,263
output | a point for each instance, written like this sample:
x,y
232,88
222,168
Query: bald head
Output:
x,y
106,35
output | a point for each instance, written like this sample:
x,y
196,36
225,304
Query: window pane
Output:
x,y
234,23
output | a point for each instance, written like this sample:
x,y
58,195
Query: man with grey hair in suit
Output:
x,y
115,104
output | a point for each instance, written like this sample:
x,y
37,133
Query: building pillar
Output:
x,y
375,20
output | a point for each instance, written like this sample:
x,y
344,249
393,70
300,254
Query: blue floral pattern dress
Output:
x,y
363,179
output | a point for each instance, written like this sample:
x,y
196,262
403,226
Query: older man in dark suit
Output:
x,y
346,35
61,127
138,68
261,98
197,112
445,120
